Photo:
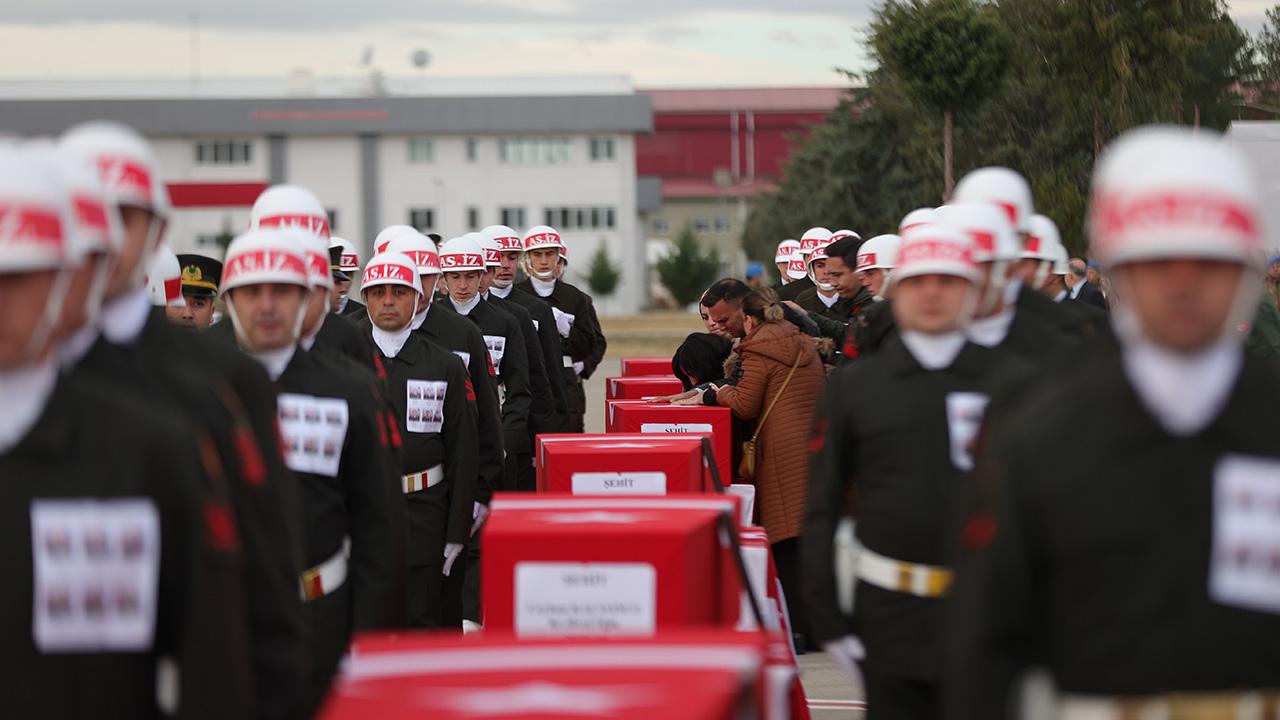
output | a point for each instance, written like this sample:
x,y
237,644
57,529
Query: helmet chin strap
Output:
x,y
39,341
1042,274
243,338
528,268
995,288
155,233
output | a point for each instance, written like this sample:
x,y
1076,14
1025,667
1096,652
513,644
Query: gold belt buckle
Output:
x,y
311,585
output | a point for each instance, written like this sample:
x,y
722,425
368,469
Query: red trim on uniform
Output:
x,y
172,289
471,390
252,467
979,530
818,438
237,194
220,527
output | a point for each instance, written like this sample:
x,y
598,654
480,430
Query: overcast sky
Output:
x,y
656,42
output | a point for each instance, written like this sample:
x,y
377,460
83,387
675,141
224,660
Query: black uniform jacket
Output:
x,y
94,443
838,311
512,372
792,290
1103,568
454,444
586,342
341,334
354,309
542,408
893,447
544,323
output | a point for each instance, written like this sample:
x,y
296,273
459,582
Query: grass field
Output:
x,y
648,335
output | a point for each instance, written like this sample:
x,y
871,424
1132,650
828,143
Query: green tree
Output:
x,y
687,271
603,275
946,54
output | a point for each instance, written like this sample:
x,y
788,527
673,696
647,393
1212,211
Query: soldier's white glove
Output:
x,y
846,653
578,368
451,553
564,321
479,513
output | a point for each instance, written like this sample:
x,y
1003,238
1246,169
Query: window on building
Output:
x,y
512,217
580,218
423,219
473,218
533,151
422,150
601,149
661,225
333,219
224,152
701,225
722,224
473,149
610,218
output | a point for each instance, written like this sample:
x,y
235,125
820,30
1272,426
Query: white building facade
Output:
x,y
446,164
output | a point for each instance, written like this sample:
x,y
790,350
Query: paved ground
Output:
x,y
831,697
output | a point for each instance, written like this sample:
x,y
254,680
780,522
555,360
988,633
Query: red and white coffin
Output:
x,y
642,386
678,675
646,366
590,567
621,464
638,416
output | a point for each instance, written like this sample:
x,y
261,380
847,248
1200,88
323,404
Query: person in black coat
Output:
x,y
900,447
1083,291
1142,574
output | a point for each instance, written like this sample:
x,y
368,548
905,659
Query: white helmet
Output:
x,y
389,233
488,248
348,258
461,254
542,236
290,206
785,250
1165,192
1001,187
391,268
988,227
1041,239
508,240
841,234
164,279
919,216
812,238
263,256
315,251
819,253
95,225
879,253
936,249
124,161
419,249
1059,258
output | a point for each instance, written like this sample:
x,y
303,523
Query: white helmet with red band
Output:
x,y
95,225
419,249
348,258
488,248
785,250
391,268
1041,239
33,214
315,251
919,216
842,234
263,256
812,238
164,279
282,206
461,254
1164,192
543,236
389,233
987,226
819,253
1001,187
1059,258
879,253
125,163
508,240
936,249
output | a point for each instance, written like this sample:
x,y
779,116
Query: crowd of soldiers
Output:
x,y
216,471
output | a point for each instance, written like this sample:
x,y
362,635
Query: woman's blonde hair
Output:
x,y
762,304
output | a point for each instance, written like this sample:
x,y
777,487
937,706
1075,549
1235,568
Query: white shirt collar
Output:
x,y
74,348
1012,287
544,288
502,292
24,393
1075,291
990,331
342,303
123,318
468,306
418,319
1185,392
391,342
933,352
1062,295
829,301
275,361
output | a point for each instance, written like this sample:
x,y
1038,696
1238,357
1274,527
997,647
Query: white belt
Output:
x,y
326,577
916,579
568,361
422,480
1256,705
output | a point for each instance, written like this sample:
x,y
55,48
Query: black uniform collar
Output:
x,y
52,432
971,361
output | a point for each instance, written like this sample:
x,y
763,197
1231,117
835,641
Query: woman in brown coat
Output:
x,y
768,352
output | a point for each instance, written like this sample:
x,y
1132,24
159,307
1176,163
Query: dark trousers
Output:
x,y
786,557
427,598
526,477
893,697
328,634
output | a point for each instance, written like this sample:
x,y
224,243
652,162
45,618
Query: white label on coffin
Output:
x,y
619,483
756,560
497,345
557,599
964,419
1244,569
313,431
748,495
675,428
466,357
96,570
424,410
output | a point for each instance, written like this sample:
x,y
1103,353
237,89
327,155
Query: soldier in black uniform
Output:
x,y
823,299
103,568
582,341
839,265
901,449
330,440
812,238
435,405
1143,574
200,277
345,265
226,398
